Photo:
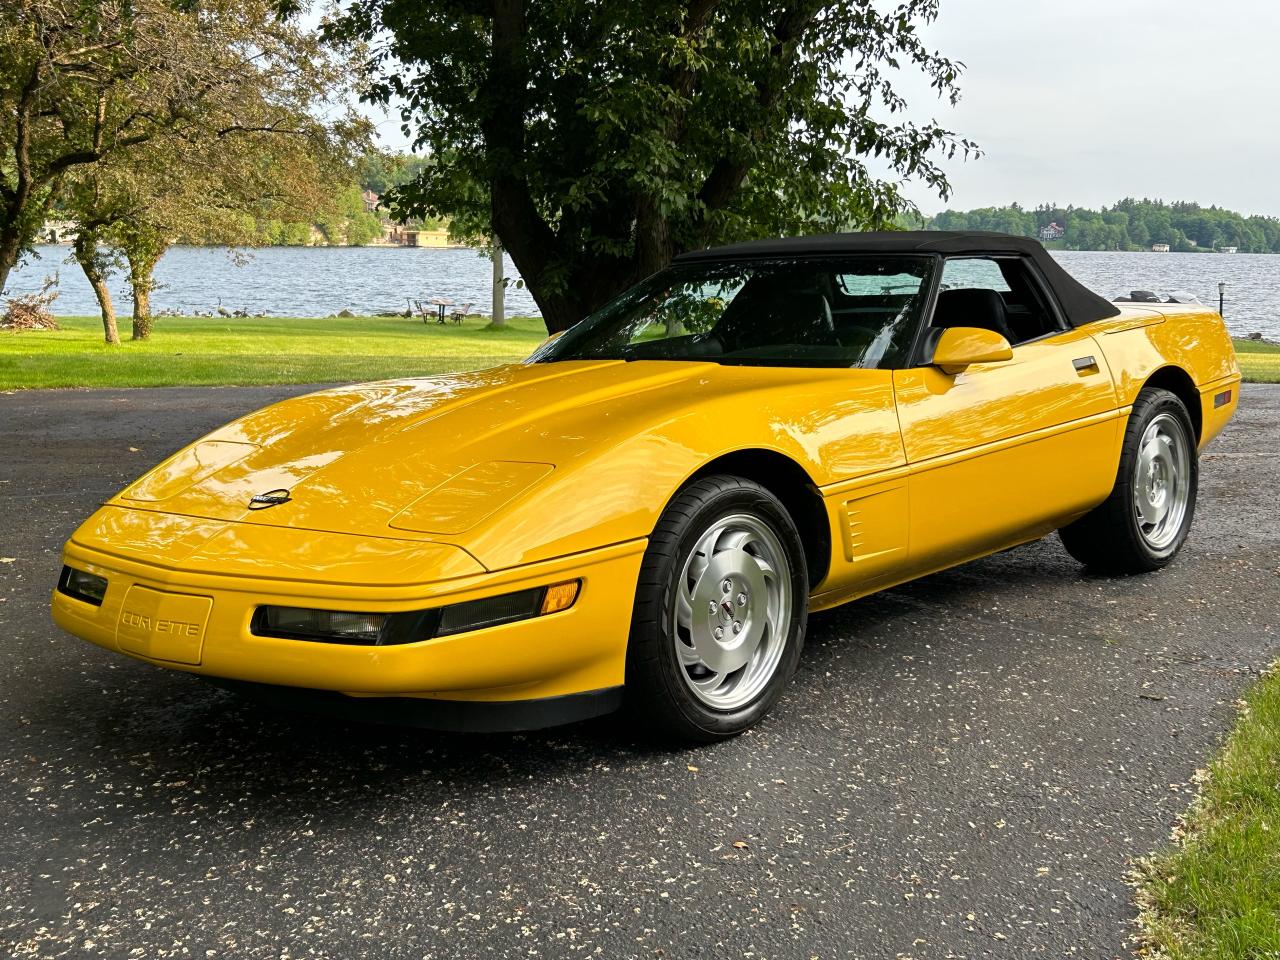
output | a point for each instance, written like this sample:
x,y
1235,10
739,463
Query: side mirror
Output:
x,y
958,347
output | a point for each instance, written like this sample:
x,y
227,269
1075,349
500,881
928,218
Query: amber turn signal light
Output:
x,y
560,596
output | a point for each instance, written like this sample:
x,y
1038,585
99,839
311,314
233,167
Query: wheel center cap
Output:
x,y
728,636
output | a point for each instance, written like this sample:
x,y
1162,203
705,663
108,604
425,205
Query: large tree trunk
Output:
x,y
10,245
142,312
141,268
86,250
587,289
534,248
499,312
559,312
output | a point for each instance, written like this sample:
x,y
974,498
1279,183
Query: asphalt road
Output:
x,y
964,767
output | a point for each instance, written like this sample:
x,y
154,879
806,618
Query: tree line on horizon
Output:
x,y
1128,225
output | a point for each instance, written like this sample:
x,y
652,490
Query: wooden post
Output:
x,y
499,286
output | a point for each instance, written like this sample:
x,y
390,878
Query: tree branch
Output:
x,y
269,128
727,175
653,243
79,157
24,180
522,229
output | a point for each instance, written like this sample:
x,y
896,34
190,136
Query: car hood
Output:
x,y
422,457
521,463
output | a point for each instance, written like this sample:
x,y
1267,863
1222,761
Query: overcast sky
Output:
x,y
1085,102
1089,101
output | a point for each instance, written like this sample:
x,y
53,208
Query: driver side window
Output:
x,y
998,294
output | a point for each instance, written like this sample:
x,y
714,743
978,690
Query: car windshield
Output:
x,y
849,312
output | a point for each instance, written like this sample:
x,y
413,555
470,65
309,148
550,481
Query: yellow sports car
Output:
x,y
645,512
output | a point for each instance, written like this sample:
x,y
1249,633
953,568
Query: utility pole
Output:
x,y
499,286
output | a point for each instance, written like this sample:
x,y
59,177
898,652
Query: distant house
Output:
x,y
371,201
1159,248
1228,249
57,231
1052,232
416,237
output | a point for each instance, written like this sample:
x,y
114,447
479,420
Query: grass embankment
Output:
x,y
215,351
1216,896
205,351
1259,361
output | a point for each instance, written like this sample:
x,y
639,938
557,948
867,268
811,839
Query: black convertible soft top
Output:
x,y
1079,304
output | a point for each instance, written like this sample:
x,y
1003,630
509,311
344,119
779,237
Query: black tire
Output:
x,y
658,696
1110,538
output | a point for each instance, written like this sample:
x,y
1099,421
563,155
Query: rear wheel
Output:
x,y
1143,524
720,611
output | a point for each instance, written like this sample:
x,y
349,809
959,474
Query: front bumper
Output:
x,y
575,651
458,716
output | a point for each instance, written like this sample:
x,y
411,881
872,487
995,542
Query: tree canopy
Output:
x,y
597,140
85,83
133,203
381,170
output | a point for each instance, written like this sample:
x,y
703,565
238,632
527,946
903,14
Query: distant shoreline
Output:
x,y
67,245
1051,246
276,281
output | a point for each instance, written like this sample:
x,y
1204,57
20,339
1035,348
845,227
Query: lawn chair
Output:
x,y
457,316
432,309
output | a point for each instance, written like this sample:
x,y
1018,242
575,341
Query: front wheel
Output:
x,y
720,611
1143,524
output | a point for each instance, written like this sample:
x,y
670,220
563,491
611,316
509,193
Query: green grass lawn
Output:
x,y
1216,896
208,351
198,351
1259,361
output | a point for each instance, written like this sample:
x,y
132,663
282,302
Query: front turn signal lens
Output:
x,y
560,596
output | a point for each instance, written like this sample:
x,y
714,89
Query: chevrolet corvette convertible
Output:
x,y
644,513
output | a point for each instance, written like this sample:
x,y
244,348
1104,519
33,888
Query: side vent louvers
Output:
x,y
852,531
873,527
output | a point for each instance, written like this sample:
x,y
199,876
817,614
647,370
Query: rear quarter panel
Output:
x,y
1144,340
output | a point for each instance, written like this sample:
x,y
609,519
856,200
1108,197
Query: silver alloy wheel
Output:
x,y
732,612
1162,481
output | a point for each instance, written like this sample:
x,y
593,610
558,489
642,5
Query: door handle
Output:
x,y
1085,366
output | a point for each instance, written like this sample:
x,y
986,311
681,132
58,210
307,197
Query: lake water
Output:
x,y
318,281
288,281
1252,279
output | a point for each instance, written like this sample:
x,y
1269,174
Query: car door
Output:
x,y
1002,452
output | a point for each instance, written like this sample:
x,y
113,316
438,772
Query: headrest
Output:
x,y
972,308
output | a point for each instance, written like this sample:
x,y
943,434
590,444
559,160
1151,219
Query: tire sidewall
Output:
x,y
752,499
1158,402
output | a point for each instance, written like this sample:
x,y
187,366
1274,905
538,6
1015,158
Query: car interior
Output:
x,y
994,294
831,314
796,314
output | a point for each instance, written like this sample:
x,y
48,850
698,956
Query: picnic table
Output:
x,y
440,303
436,306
